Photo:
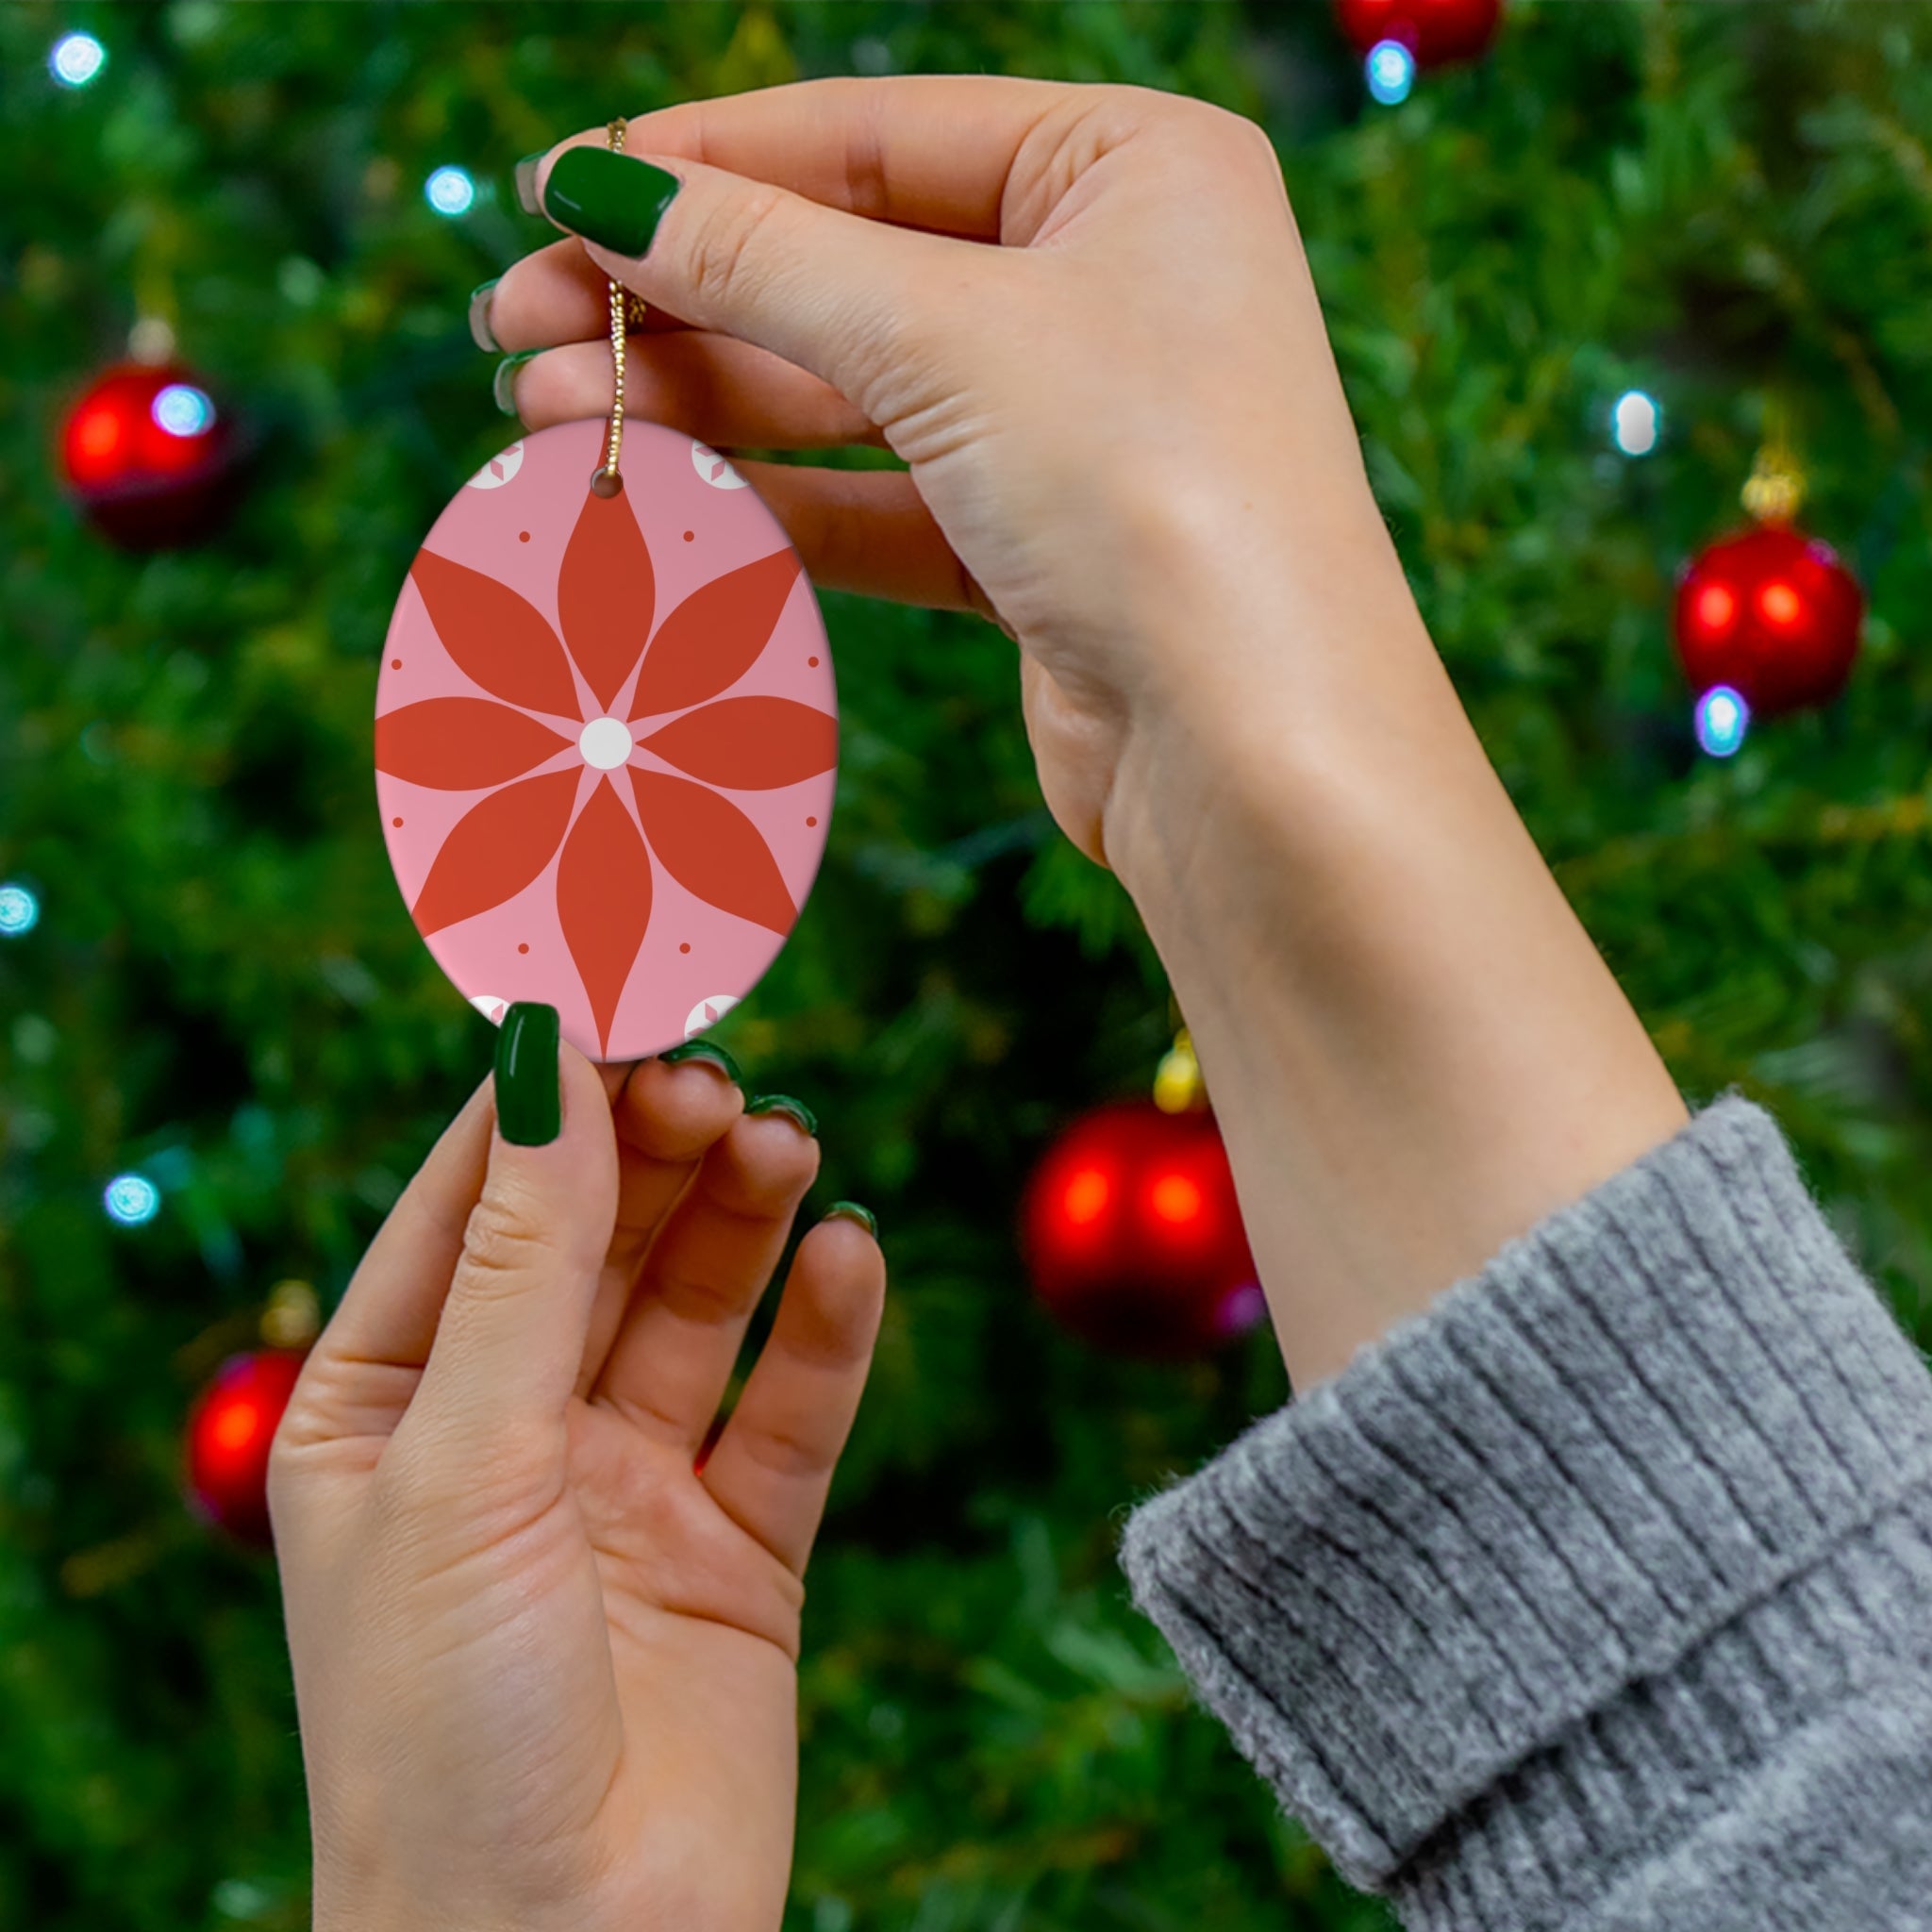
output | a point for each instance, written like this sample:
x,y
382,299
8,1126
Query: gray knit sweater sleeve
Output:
x,y
1599,1595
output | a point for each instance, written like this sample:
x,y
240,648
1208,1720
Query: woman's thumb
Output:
x,y
831,291
511,1339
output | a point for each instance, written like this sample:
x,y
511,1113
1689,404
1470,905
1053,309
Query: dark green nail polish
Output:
x,y
609,198
851,1211
525,177
480,331
530,1100
503,385
703,1050
794,1110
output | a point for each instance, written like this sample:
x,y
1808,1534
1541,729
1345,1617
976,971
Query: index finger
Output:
x,y
919,151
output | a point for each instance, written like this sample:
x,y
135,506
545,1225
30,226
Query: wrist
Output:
x,y
1413,1048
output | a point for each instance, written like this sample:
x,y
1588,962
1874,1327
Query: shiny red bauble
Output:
x,y
229,1431
150,457
1774,614
1133,1238
1435,32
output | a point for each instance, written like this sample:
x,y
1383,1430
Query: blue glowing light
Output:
x,y
20,911
182,410
450,192
1723,719
1390,71
1636,422
77,59
131,1199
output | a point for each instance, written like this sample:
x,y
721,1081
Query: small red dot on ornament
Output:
x,y
814,663
395,821
684,946
688,535
811,821
1780,603
524,948
1716,606
523,535
395,663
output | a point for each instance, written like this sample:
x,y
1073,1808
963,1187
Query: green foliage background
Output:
x,y
1722,204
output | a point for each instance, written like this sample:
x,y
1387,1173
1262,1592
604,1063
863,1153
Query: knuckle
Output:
x,y
723,254
501,1248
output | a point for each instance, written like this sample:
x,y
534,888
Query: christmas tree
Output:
x,y
211,988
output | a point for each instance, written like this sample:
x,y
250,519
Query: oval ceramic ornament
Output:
x,y
606,735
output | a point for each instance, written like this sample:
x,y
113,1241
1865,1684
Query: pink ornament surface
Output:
x,y
606,738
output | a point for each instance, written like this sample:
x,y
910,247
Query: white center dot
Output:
x,y
605,742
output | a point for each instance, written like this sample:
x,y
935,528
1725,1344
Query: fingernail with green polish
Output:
x,y
609,198
525,177
503,385
851,1211
794,1110
707,1051
480,331
529,1104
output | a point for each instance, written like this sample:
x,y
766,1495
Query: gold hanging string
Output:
x,y
626,311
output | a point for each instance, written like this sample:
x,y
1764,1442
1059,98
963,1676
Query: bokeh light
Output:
x,y
77,59
20,911
1391,72
1636,422
1723,719
131,1199
182,410
450,192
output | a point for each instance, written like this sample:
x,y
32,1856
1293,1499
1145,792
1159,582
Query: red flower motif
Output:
x,y
528,816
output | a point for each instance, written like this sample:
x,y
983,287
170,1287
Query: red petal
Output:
x,y
496,636
715,636
711,849
496,849
461,744
603,900
606,593
750,744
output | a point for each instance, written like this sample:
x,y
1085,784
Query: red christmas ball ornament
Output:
x,y
229,1431
1772,613
149,457
1434,31
1133,1238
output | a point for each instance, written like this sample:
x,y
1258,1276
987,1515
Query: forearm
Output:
x,y
1414,1050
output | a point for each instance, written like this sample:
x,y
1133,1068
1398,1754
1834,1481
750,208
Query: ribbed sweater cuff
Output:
x,y
1516,1543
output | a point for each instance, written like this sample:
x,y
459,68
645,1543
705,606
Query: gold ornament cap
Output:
x,y
293,1318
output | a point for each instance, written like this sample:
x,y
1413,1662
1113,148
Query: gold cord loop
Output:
x,y
626,311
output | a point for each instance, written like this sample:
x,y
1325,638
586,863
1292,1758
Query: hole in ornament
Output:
x,y
395,821
811,821
523,535
524,948
604,482
395,663
688,535
684,946
814,663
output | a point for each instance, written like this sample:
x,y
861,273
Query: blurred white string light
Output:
x,y
1636,422
77,59
1391,72
20,911
450,192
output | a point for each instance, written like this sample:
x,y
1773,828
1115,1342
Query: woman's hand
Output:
x,y
1083,317
1128,397
545,1668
